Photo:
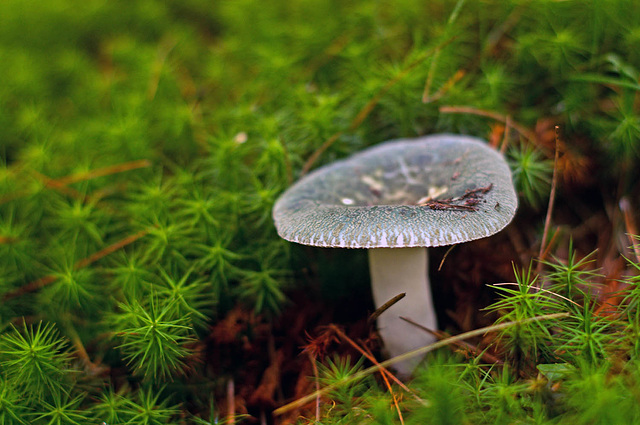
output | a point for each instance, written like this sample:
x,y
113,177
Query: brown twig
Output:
x,y
384,307
100,172
46,280
445,256
457,76
420,351
530,135
552,197
549,245
471,199
505,140
53,184
372,359
447,205
384,373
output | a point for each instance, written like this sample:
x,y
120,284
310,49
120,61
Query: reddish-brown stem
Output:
x,y
100,172
552,197
370,358
530,135
46,280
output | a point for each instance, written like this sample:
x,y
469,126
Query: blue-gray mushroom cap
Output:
x,y
436,190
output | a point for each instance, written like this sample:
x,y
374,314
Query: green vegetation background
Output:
x,y
143,143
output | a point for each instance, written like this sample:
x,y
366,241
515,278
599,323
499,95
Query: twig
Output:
x,y
471,199
420,351
384,307
552,197
457,76
505,139
445,256
46,280
550,244
372,359
530,135
100,172
51,183
383,372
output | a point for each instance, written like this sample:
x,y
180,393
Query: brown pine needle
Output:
x,y
457,76
383,372
420,351
100,172
552,197
372,359
53,184
427,85
93,368
384,307
524,131
445,257
550,244
110,249
505,140
316,154
46,280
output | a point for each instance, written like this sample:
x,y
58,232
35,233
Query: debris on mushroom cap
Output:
x,y
435,190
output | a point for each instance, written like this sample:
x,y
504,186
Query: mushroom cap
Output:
x,y
436,190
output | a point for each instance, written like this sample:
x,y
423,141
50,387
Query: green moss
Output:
x,y
227,101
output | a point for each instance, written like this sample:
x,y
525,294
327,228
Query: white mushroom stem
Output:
x,y
394,271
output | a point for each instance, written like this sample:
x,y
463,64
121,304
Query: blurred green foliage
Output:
x,y
226,101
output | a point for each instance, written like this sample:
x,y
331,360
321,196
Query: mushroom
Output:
x,y
396,199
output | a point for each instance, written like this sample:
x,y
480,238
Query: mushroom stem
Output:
x,y
394,271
